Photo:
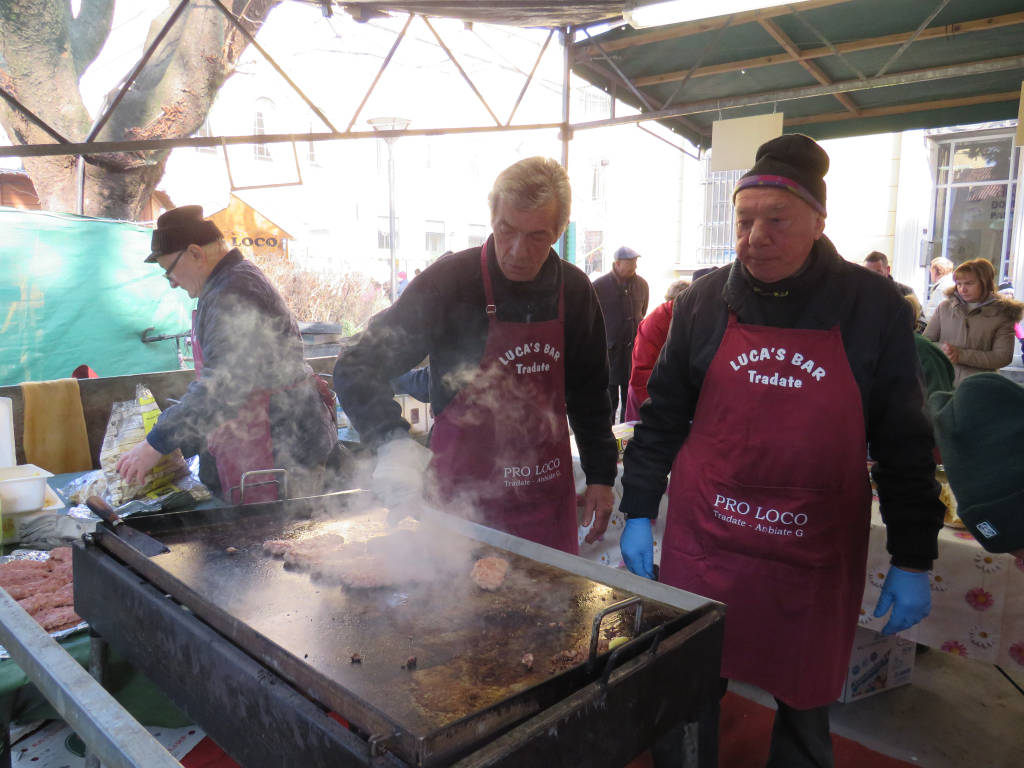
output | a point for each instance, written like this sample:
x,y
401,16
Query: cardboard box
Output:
x,y
418,414
878,663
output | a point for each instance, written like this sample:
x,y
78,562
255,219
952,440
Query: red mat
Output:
x,y
745,729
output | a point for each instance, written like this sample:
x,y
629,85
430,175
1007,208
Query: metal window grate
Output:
x,y
718,231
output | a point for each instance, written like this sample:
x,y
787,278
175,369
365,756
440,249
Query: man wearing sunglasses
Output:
x,y
255,404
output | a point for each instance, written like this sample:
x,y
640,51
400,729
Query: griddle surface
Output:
x,y
468,643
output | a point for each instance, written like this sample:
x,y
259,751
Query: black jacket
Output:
x,y
249,341
442,314
624,306
877,334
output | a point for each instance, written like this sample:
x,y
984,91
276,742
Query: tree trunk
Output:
x,y
44,51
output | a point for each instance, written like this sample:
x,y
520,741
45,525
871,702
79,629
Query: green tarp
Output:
x,y
75,290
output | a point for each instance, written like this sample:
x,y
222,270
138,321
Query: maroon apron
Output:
x,y
241,444
769,508
501,446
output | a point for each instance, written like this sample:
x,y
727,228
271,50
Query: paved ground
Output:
x,y
956,713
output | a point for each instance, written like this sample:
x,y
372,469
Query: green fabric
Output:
x,y
23,703
938,371
76,290
980,431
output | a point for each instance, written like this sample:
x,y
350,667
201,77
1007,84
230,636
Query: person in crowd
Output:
x,y
623,295
650,337
974,325
1005,290
255,404
980,427
938,371
403,281
516,343
941,272
878,262
778,374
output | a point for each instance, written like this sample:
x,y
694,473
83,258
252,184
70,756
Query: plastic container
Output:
x,y
6,433
23,488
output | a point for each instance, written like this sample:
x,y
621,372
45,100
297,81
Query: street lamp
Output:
x,y
391,124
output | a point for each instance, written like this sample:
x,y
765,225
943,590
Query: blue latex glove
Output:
x,y
910,597
637,545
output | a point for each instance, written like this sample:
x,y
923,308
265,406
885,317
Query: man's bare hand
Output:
x,y
598,501
134,465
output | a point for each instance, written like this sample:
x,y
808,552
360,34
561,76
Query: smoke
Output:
x,y
253,360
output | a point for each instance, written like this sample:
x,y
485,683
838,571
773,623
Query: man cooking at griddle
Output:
x,y
516,343
776,376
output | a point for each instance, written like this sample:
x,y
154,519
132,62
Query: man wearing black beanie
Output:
x,y
778,374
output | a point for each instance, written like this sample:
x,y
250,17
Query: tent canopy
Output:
x,y
833,67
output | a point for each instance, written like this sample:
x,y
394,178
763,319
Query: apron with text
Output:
x,y
501,446
769,508
241,444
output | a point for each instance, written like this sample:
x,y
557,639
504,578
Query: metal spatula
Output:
x,y
144,543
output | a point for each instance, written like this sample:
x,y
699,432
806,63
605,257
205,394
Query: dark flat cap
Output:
x,y
626,253
179,228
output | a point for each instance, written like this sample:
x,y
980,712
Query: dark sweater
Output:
x,y
249,341
875,324
442,314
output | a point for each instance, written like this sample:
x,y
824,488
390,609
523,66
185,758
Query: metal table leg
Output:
x,y
98,654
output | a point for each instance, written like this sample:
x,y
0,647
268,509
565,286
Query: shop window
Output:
x,y
974,200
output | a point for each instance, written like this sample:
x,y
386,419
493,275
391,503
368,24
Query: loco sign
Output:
x,y
259,242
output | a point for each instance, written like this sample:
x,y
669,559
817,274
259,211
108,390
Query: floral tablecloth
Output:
x,y
606,549
977,599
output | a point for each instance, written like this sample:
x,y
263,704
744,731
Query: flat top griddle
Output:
x,y
468,679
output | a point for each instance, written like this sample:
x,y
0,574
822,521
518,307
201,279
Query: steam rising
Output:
x,y
252,353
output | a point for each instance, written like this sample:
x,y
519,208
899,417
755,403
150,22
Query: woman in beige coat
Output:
x,y
974,325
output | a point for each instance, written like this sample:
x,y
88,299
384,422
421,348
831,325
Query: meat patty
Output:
x,y
365,571
305,553
489,572
45,589
21,571
54,619
60,555
276,547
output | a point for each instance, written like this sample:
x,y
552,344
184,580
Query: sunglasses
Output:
x,y
170,269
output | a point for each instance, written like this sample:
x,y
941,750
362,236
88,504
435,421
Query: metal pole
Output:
x,y
391,219
106,728
566,130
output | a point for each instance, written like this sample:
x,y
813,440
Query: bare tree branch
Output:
x,y
43,52
89,31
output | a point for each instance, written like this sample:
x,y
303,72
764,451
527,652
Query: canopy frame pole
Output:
x,y
529,77
32,116
380,72
462,72
129,81
910,41
816,72
270,60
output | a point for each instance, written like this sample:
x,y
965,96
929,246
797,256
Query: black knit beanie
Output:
x,y
794,162
980,428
